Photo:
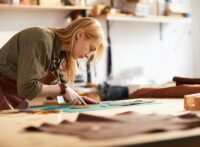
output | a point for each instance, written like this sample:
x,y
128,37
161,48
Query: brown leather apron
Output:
x,y
9,99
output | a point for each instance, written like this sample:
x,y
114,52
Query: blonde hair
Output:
x,y
93,30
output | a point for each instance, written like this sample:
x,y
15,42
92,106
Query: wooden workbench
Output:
x,y
13,134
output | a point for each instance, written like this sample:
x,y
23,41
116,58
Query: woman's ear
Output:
x,y
80,33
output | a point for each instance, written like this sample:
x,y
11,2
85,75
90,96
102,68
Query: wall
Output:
x,y
134,45
137,46
12,21
196,36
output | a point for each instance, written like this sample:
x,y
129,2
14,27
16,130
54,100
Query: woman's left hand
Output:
x,y
89,100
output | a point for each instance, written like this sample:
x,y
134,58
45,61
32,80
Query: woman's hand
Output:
x,y
74,98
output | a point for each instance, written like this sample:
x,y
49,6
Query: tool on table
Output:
x,y
31,111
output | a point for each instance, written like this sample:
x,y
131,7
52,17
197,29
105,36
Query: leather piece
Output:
x,y
168,92
121,125
184,80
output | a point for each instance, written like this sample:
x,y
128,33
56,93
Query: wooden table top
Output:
x,y
13,134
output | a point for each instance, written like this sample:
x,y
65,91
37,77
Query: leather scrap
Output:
x,y
122,125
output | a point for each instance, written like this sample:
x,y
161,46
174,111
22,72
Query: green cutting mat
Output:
x,y
102,106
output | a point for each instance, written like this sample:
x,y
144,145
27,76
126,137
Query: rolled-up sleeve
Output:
x,y
32,66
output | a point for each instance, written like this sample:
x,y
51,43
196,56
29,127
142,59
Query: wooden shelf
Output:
x,y
148,19
38,7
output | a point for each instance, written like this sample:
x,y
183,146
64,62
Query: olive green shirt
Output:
x,y
27,57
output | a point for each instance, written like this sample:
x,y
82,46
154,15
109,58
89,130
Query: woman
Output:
x,y
35,57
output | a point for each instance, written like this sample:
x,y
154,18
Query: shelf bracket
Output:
x,y
109,51
75,14
161,31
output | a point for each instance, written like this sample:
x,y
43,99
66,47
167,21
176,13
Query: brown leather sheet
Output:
x,y
121,125
185,80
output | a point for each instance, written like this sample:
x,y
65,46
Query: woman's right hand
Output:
x,y
75,98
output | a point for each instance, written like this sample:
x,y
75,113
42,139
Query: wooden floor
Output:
x,y
13,134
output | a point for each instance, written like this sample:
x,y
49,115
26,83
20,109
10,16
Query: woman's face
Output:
x,y
83,46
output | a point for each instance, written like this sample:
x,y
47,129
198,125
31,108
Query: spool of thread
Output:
x,y
192,102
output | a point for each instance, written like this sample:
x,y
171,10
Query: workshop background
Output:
x,y
143,52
